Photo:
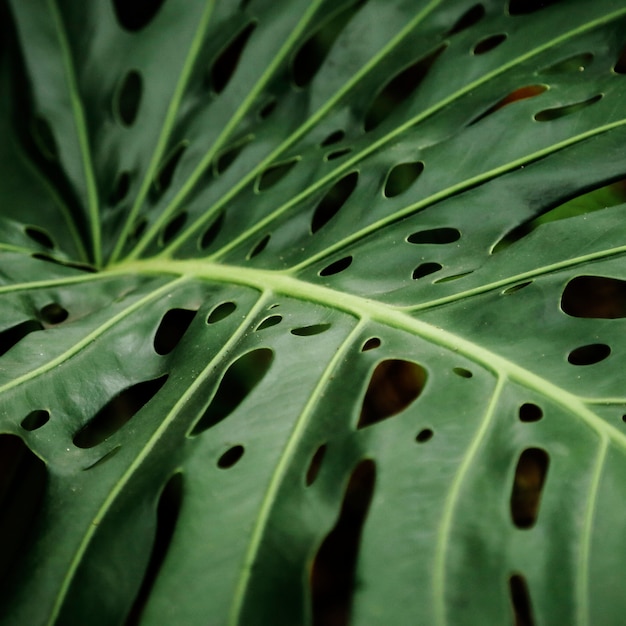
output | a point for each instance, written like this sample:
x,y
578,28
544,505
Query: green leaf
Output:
x,y
312,312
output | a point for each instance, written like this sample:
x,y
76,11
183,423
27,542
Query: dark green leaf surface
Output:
x,y
271,270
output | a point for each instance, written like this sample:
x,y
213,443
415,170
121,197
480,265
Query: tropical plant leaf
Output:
x,y
312,312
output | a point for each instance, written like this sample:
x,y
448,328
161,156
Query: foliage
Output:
x,y
312,312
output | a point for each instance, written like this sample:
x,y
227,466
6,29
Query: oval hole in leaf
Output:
x,y
315,465
424,435
309,331
530,476
226,63
309,57
520,600
524,7
435,236
119,410
133,15
489,43
211,233
401,177
230,457
590,354
268,108
530,412
121,188
270,321
425,269
139,229
44,138
595,297
462,372
220,312
259,247
228,156
128,98
472,16
167,514
275,173
173,227
13,335
523,93
576,63
40,236
166,172
336,266
547,115
53,313
399,89
334,199
334,137
35,419
334,565
331,156
620,66
172,327
394,385
238,381
23,477
371,344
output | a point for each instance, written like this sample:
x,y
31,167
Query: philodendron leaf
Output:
x,y
312,312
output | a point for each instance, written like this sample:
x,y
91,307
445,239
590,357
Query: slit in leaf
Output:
x,y
488,43
259,247
399,89
595,297
515,288
462,372
44,138
309,331
275,173
270,321
220,312
173,326
238,382
401,177
134,15
40,236
576,63
211,233
336,154
50,259
230,457
334,565
435,236
394,385
311,55
426,269
334,137
228,156
119,410
589,354
523,93
547,115
268,108
315,465
333,200
128,98
336,267
35,419
167,170
226,63
528,482
103,459
620,66
13,335
120,189
520,601
472,16
371,344
173,227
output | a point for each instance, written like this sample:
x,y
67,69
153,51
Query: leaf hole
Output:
x,y
472,16
211,233
268,108
576,63
173,227
238,382
167,170
548,115
426,269
228,156
172,327
139,229
449,279
524,7
523,93
134,15
43,136
309,331
520,601
120,189
594,297
311,55
13,335
394,385
220,312
128,98
515,288
424,435
530,476
315,465
489,43
53,313
103,459
333,200
46,258
401,177
589,355
259,247
226,63
270,321
275,173
462,372
117,412
40,236
371,344
230,457
620,66
399,89
336,267
530,412
334,566
336,154
334,137
35,419
436,236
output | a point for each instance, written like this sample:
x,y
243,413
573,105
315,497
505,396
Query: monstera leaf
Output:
x,y
312,312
